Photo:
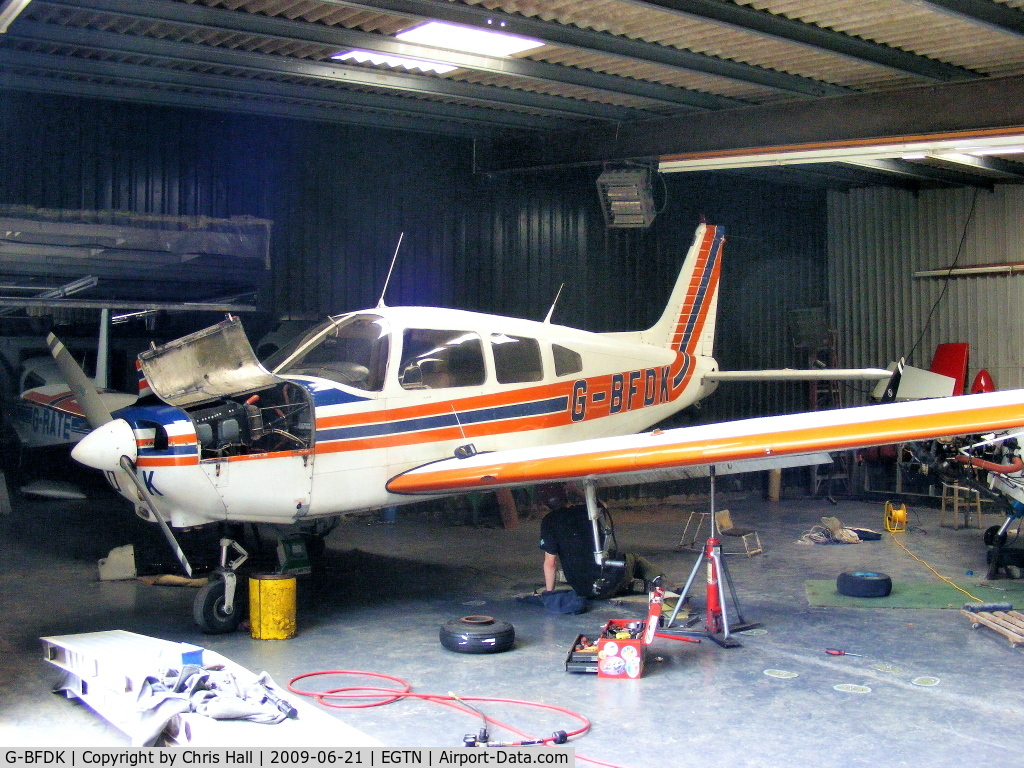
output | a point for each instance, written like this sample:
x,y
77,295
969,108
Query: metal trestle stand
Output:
x,y
717,626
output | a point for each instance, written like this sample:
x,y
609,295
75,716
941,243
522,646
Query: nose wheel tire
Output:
x,y
477,634
863,584
208,609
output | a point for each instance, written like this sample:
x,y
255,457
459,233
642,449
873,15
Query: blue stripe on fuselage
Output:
x,y
519,410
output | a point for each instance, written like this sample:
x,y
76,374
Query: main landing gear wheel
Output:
x,y
863,584
477,634
208,609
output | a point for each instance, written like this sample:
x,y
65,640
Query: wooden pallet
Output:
x,y
1010,624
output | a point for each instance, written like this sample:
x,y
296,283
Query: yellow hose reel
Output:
x,y
895,518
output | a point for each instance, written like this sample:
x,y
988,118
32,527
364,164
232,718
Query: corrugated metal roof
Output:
x,y
603,61
913,27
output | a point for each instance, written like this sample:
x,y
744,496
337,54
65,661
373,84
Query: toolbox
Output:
x,y
582,656
621,649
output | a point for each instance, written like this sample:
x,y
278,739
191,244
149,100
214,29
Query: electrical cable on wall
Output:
x,y
945,282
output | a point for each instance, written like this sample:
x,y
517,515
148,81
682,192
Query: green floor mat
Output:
x,y
909,594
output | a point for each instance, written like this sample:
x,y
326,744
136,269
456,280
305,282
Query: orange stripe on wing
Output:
x,y
692,452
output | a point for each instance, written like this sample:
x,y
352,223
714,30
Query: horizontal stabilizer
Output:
x,y
917,383
793,374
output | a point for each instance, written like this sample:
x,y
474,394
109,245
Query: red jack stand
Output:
x,y
716,619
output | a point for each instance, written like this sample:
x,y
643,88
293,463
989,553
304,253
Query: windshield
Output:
x,y
351,351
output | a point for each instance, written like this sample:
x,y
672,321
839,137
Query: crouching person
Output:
x,y
567,539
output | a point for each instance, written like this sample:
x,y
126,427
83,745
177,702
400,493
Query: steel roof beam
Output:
x,y
996,15
781,27
221,20
993,164
590,40
927,173
441,114
920,113
221,103
830,174
190,53
171,306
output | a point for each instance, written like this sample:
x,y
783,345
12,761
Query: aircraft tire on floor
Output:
x,y
863,584
208,609
477,634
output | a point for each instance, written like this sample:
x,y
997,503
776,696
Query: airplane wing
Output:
x,y
736,443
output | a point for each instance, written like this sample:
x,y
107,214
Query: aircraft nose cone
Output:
x,y
104,446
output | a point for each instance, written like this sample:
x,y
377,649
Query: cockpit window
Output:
x,y
567,361
32,380
438,359
516,359
351,351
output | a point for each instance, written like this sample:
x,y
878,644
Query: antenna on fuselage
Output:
x,y
390,270
547,320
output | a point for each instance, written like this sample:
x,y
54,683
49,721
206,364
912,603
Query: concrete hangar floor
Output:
x,y
386,589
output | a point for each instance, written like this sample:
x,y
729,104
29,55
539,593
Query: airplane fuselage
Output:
x,y
421,382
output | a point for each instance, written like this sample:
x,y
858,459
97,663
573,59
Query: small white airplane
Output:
x,y
47,414
367,409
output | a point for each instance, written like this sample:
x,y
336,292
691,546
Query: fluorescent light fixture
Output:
x,y
761,157
468,39
9,10
369,57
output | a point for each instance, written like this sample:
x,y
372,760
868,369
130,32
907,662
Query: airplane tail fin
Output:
x,y
688,322
143,383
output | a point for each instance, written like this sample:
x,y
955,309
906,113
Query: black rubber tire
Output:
x,y
863,584
992,538
477,634
208,609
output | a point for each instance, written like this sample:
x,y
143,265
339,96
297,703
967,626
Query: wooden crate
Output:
x,y
1010,624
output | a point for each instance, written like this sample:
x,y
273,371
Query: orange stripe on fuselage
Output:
x,y
443,434
594,410
441,407
168,461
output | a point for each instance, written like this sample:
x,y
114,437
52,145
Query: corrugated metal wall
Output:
x,y
340,196
879,237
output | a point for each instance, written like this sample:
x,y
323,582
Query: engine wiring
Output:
x,y
381,695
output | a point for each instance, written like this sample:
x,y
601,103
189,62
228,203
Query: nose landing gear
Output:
x,y
215,609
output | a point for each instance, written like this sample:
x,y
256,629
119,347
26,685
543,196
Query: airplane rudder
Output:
x,y
694,300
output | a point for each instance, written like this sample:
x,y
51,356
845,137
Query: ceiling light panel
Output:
x,y
467,39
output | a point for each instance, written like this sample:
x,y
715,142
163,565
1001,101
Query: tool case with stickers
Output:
x,y
621,649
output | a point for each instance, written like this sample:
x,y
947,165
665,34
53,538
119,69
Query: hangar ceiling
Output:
x,y
932,88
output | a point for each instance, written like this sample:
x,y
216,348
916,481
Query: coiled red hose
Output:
x,y
387,695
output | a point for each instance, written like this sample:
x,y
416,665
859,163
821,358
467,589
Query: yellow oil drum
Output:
x,y
272,606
